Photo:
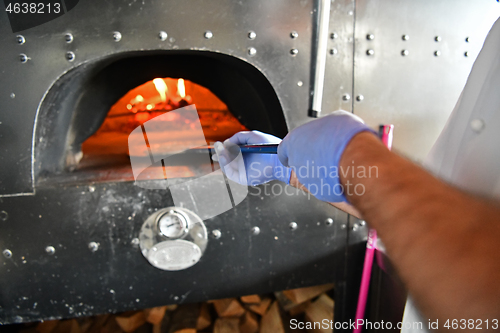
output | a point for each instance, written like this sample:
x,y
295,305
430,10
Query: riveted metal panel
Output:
x,y
339,75
139,24
73,250
416,92
96,266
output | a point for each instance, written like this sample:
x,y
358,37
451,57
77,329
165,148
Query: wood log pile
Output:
x,y
270,313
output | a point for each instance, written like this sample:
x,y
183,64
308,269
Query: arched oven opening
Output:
x,y
110,148
87,115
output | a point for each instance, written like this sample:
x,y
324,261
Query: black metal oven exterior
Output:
x,y
68,240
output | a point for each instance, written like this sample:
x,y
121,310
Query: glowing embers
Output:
x,y
108,146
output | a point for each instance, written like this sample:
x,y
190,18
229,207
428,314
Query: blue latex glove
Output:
x,y
257,168
313,151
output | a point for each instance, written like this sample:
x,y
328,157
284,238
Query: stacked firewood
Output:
x,y
269,313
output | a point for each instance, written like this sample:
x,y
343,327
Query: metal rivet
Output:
x,y
370,52
216,233
23,57
3,215
208,34
466,53
135,241
50,250
346,97
117,36
252,35
360,98
370,36
355,227
300,83
252,51
162,35
70,56
293,225
404,53
329,221
333,51
294,34
294,52
68,38
437,38
334,35
477,125
20,39
255,231
405,37
93,246
362,223
437,53
12,95
342,226
7,253
467,39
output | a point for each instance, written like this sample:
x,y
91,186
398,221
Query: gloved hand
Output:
x,y
313,151
256,168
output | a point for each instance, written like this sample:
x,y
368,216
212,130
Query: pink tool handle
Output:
x,y
386,134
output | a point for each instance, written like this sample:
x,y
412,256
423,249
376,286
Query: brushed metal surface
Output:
x,y
416,92
339,60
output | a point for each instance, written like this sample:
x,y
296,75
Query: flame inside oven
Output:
x,y
108,146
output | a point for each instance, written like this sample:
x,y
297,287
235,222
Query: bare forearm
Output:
x,y
442,241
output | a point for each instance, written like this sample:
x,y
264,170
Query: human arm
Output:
x,y
442,240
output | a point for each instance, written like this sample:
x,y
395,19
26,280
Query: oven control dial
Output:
x,y
173,225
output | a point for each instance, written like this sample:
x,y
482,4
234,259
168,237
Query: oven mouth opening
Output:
x,y
86,116
110,147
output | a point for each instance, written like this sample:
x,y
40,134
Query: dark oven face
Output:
x,y
80,236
